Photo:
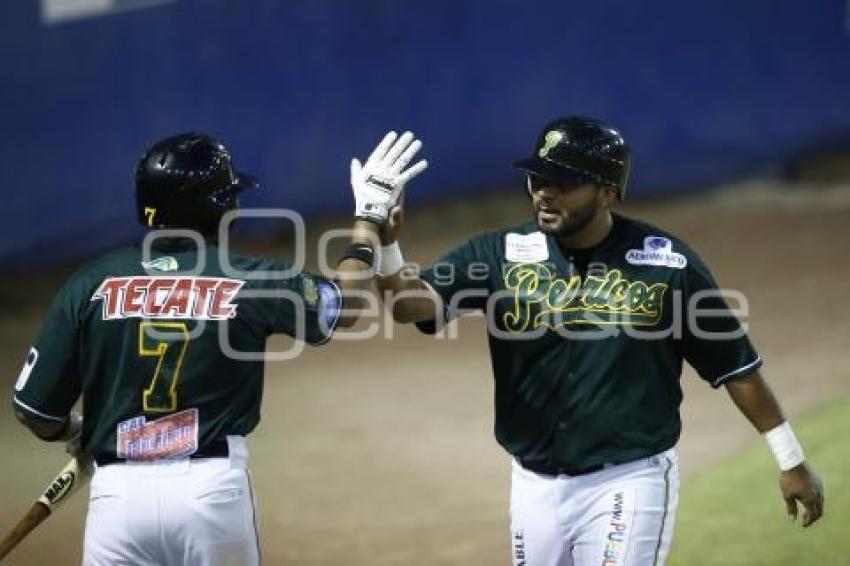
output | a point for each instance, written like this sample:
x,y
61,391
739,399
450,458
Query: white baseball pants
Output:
x,y
618,516
181,512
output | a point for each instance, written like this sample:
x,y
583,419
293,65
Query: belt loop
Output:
x,y
238,451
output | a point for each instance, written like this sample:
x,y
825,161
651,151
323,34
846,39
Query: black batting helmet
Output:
x,y
580,150
188,181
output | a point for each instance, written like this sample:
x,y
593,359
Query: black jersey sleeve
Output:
x,y
304,306
49,383
713,339
461,277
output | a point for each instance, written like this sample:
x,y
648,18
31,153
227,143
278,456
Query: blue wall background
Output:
x,y
705,91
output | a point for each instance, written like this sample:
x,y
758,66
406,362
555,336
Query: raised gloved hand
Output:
x,y
378,183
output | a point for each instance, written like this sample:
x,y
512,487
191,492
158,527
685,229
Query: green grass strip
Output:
x,y
732,513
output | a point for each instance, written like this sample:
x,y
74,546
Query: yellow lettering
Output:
x,y
540,298
524,280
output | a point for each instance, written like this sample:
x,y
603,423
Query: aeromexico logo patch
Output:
x,y
657,251
202,298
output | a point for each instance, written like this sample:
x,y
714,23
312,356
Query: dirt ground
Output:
x,y
381,452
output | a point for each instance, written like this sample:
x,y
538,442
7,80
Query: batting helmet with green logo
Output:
x,y
577,150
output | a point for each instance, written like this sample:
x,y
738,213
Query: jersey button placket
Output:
x,y
562,424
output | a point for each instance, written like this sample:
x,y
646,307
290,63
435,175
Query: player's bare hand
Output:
x,y
802,485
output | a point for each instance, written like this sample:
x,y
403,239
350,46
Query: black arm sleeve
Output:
x,y
49,383
713,341
458,280
303,306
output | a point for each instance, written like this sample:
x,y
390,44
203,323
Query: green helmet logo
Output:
x,y
552,139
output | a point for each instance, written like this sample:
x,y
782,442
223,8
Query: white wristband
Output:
x,y
785,448
390,260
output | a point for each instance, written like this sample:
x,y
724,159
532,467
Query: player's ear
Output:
x,y
606,197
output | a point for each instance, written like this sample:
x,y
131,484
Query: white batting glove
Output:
x,y
378,183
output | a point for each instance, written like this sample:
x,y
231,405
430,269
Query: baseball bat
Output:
x,y
74,475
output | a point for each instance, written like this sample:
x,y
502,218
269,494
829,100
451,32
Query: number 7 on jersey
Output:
x,y
168,342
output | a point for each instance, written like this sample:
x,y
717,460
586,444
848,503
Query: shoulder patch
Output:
x,y
330,305
526,248
657,250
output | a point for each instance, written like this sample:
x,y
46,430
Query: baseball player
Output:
x,y
165,346
590,316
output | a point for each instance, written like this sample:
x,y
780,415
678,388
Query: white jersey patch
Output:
x,y
657,250
526,247
24,376
164,263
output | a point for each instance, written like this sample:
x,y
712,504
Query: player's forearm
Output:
x,y
797,480
409,299
353,274
353,285
756,401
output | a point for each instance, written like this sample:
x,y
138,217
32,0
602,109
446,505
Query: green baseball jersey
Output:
x,y
587,345
167,350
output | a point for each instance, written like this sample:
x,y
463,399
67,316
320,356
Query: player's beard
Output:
x,y
570,223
